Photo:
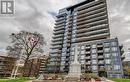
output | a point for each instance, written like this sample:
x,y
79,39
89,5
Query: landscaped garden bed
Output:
x,y
15,80
119,80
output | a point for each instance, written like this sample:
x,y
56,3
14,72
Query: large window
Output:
x,y
62,62
114,48
113,43
117,67
94,67
107,49
82,52
82,61
82,56
72,53
115,54
73,40
63,58
107,44
108,61
82,47
93,50
94,61
94,56
94,46
107,55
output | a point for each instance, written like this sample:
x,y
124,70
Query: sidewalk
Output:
x,y
109,80
29,81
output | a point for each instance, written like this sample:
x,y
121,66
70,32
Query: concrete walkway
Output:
x,y
29,81
109,80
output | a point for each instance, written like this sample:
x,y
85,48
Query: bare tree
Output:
x,y
27,44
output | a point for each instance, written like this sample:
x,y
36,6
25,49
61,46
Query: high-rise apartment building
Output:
x,y
86,25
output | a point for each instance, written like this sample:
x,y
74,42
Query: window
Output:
x,y
82,47
116,67
82,52
65,37
107,49
65,41
74,31
94,61
94,67
115,54
73,40
74,27
63,54
64,45
73,36
108,61
114,48
107,55
82,56
82,61
94,46
93,50
72,53
75,20
113,43
94,56
72,48
106,44
63,58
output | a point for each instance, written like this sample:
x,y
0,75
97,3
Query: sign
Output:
x,y
7,6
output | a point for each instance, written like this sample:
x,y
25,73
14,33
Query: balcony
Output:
x,y
100,31
56,43
92,16
94,12
99,46
90,4
100,51
60,22
58,36
102,68
55,51
56,46
60,25
88,47
100,57
91,9
93,37
57,39
59,32
88,63
92,20
94,23
88,52
101,62
60,19
91,28
60,28
88,57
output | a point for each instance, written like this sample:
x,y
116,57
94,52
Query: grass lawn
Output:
x,y
15,80
120,80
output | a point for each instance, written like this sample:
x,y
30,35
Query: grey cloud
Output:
x,y
38,15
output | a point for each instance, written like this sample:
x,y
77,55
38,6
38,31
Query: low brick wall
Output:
x,y
49,81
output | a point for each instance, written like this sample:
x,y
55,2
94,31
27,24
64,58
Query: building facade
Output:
x,y
6,66
85,23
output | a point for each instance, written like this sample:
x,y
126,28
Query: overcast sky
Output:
x,y
39,15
